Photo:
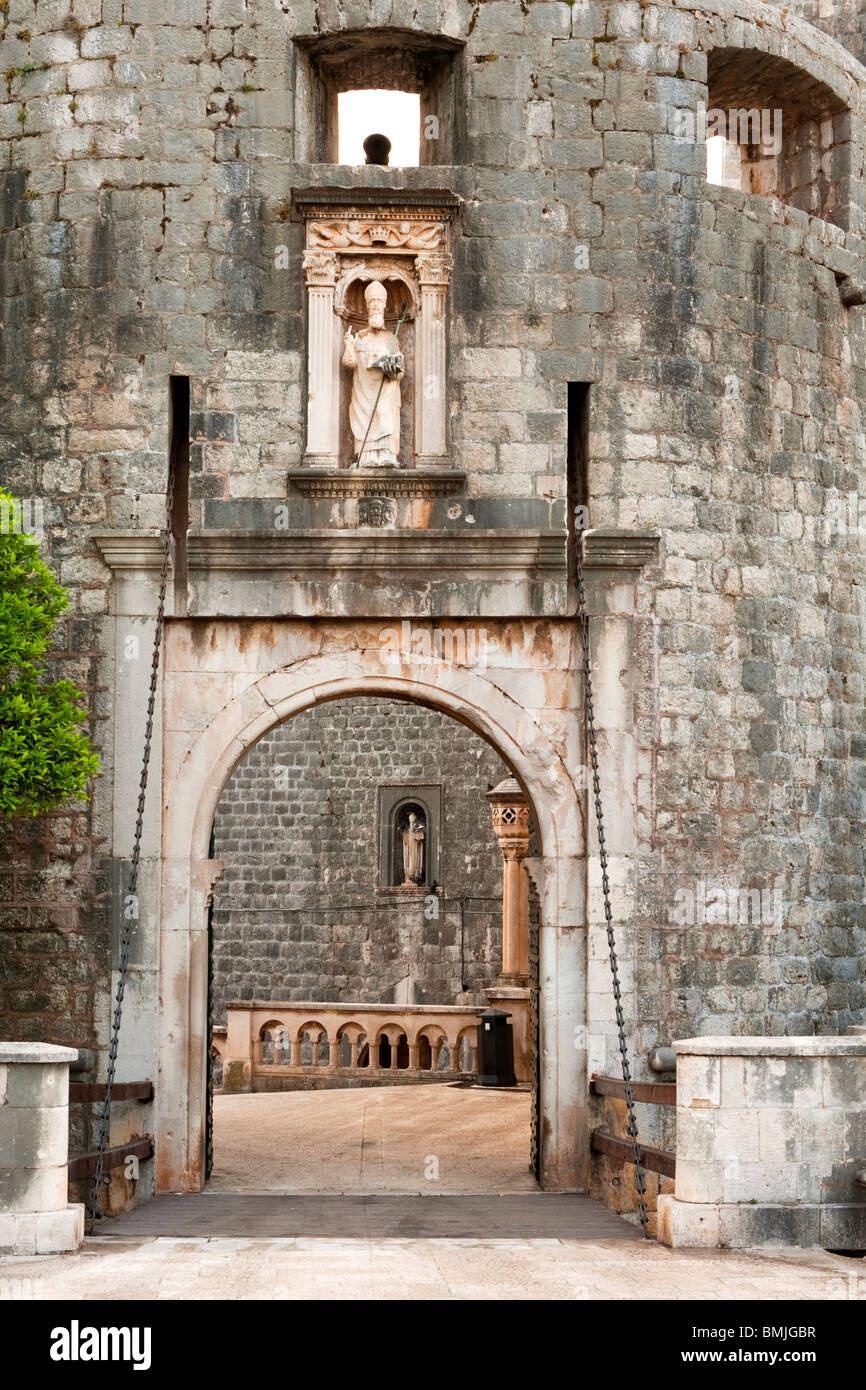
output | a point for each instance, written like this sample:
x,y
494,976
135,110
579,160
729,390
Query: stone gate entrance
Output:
x,y
191,801
228,681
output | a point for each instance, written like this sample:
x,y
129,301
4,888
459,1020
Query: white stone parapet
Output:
x,y
771,1143
35,1217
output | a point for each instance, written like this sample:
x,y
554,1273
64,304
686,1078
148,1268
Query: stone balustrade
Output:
x,y
282,1046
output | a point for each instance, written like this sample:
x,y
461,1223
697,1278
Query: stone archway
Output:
x,y
197,764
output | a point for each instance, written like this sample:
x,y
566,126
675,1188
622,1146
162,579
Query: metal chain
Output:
x,y
130,918
631,1127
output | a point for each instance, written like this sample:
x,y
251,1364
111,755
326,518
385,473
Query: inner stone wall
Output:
x,y
299,912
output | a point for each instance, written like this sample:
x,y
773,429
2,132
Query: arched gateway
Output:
x,y
197,765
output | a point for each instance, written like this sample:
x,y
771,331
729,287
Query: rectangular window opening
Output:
x,y
394,115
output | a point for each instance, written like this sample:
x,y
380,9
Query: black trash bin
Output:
x,y
496,1049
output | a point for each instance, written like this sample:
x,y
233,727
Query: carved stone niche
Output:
x,y
350,242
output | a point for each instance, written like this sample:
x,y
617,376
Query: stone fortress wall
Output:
x,y
148,153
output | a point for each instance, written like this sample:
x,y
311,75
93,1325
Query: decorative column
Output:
x,y
511,824
320,269
433,271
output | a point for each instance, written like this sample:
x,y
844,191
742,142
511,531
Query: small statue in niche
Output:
x,y
413,837
374,410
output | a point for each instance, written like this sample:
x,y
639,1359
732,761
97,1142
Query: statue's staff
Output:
x,y
386,358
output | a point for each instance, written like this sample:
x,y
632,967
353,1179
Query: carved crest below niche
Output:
x,y
403,241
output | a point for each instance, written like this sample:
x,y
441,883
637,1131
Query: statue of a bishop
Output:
x,y
374,410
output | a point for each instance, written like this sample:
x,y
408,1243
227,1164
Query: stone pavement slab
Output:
x,y
395,1269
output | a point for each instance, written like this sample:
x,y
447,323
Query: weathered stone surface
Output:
x,y
146,230
773,1157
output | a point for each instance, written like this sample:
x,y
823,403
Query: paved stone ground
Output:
x,y
252,1243
452,1268
381,1139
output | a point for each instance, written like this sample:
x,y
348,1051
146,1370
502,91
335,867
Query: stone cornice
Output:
x,y
612,549
320,202
356,482
130,550
363,551
371,548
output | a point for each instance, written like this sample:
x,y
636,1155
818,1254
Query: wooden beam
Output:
x,y
621,1150
656,1092
85,1165
121,1090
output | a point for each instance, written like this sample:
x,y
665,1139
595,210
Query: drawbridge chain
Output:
x,y
583,628
130,913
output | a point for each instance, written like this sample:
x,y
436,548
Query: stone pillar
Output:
x,y
320,268
35,1217
511,824
238,1064
771,1144
433,271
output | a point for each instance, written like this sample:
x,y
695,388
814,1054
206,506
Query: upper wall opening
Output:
x,y
376,62
394,115
785,134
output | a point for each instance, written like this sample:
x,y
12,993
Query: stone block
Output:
x,y
36,1086
106,42
699,1180
42,1233
699,1082
843,1082
32,1137
688,1225
27,1189
783,1082
842,1227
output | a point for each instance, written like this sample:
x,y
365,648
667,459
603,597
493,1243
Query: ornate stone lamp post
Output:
x,y
511,824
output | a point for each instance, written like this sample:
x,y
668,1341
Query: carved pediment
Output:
x,y
344,234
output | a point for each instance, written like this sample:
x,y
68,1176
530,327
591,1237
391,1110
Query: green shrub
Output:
x,y
45,759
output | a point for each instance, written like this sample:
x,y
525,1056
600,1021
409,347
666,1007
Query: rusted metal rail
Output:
x,y
85,1165
622,1151
121,1090
655,1092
